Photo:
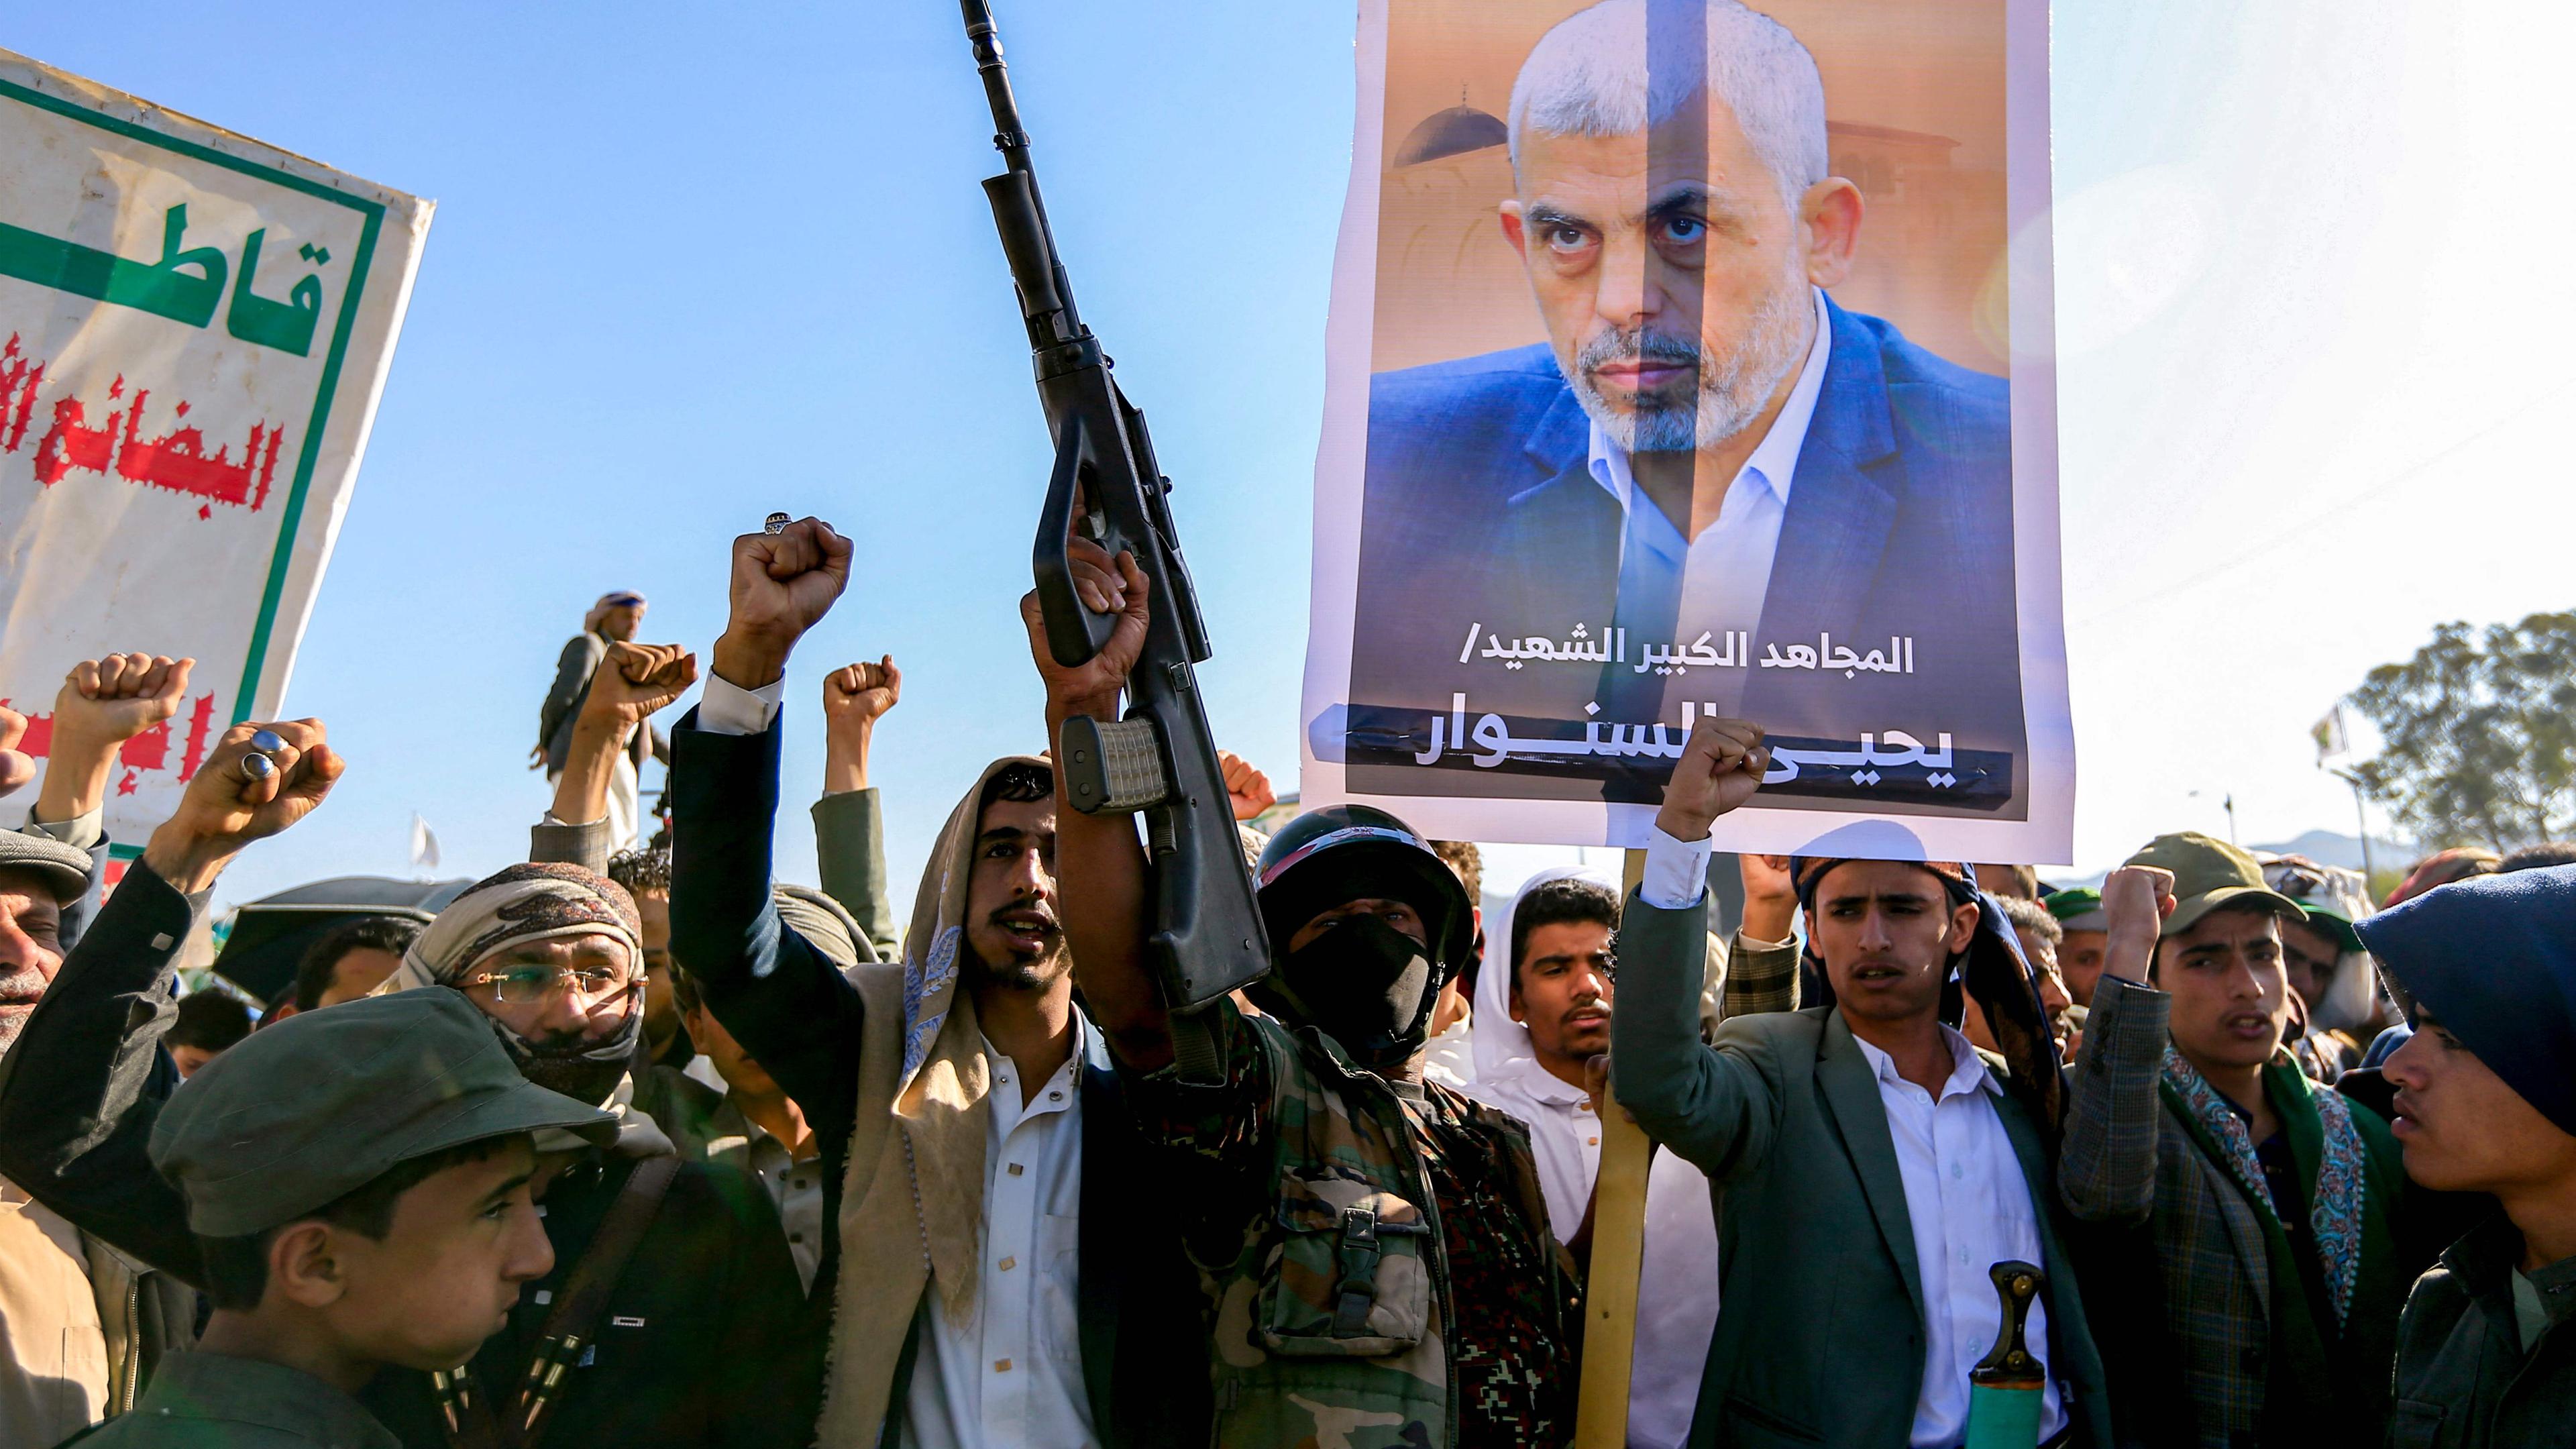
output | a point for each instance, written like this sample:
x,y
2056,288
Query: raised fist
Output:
x,y
114,698
861,693
16,767
634,681
1246,787
2135,901
783,584
258,780
1719,770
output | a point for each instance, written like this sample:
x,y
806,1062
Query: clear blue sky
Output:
x,y
692,264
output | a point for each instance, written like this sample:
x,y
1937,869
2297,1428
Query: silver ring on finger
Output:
x,y
774,523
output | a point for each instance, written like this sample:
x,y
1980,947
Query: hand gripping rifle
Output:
x,y
1208,937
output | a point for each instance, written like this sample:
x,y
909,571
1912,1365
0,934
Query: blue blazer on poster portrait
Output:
x,y
1480,506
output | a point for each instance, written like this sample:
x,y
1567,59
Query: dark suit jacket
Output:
x,y
1480,507
1820,1310
799,1017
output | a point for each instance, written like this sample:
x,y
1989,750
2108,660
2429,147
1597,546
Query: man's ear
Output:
x,y
1963,927
1513,229
1829,213
1513,1000
303,1267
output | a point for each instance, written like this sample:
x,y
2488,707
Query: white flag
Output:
x,y
424,844
2329,735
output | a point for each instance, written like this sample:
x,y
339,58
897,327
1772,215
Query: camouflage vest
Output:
x,y
1329,1321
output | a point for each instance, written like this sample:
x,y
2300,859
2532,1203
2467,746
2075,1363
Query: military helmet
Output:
x,y
1341,853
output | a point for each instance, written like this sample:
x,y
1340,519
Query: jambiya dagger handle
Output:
x,y
2008,1387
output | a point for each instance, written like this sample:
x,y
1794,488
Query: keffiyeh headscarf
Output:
x,y
537,902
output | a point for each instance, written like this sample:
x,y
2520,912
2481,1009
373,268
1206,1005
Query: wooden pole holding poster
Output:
x,y
1618,1261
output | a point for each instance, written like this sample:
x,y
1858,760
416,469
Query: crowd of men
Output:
x,y
641,1147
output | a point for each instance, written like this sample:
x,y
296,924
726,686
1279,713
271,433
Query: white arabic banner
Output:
x,y
1689,360
194,328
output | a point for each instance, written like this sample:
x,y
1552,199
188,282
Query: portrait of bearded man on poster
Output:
x,y
1707,456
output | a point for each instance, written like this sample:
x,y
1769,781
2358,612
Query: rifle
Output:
x,y
1159,761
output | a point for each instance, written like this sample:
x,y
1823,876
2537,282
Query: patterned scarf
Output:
x,y
2335,1199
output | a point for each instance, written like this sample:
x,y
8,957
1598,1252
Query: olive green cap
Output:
x,y
2208,874
314,1107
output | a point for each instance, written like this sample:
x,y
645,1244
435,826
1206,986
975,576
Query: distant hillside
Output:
x,y
2325,847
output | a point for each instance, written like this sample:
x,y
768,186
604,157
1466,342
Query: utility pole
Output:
x,y
2360,815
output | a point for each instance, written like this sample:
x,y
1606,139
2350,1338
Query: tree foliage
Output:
x,y
2478,734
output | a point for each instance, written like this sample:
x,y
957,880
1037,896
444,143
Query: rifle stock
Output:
x,y
1159,760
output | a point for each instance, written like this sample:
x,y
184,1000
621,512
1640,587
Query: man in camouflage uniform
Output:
x,y
1375,1247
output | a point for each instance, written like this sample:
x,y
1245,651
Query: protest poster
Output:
x,y
194,329
1686,359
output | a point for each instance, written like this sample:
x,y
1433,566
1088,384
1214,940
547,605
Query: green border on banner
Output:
x,y
309,455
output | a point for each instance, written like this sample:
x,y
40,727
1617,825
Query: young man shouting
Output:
x,y
2269,1204
1875,1167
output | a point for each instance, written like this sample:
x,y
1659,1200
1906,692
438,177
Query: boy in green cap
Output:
x,y
357,1180
2270,1205
2079,951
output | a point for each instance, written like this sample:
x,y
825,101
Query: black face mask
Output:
x,y
584,1070
1365,984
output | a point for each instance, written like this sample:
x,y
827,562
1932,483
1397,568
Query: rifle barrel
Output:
x,y
986,37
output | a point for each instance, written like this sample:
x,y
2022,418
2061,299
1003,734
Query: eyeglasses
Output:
x,y
591,987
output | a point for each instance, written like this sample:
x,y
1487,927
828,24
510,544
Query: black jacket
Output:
x,y
2466,1379
1141,1311
715,1360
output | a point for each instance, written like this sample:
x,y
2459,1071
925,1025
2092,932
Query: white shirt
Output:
x,y
1964,1194
1725,570
1677,1295
1971,1209
1012,1374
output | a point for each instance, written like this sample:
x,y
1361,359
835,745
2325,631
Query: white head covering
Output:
x,y
1498,1038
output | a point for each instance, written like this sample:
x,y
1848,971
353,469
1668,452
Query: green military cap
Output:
x,y
2208,874
2334,925
306,1111
2079,909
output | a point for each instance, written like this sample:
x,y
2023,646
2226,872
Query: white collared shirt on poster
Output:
x,y
1726,569
1677,1294
1010,1377
1971,1209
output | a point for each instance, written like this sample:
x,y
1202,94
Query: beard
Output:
x,y
1018,972
1732,391
13,1020
989,961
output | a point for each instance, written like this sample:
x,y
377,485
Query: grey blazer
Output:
x,y
1820,1321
